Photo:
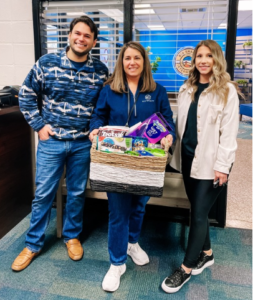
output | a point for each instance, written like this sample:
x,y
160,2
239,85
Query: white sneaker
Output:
x,y
111,280
138,255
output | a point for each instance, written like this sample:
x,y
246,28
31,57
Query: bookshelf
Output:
x,y
244,55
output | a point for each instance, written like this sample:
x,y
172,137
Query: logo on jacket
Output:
x,y
148,98
182,61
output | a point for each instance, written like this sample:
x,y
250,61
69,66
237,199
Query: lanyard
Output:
x,y
135,100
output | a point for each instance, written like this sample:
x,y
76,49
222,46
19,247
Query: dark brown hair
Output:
x,y
86,20
118,79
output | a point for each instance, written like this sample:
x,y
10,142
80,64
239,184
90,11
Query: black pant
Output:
x,y
202,196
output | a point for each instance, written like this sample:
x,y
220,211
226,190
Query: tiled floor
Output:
x,y
53,276
239,199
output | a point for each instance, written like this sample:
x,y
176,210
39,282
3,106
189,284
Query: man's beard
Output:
x,y
80,54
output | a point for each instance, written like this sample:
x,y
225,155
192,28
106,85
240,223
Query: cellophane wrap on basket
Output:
x,y
122,173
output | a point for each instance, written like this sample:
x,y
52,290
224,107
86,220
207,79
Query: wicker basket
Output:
x,y
122,173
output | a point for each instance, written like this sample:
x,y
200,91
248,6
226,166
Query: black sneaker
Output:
x,y
203,262
174,283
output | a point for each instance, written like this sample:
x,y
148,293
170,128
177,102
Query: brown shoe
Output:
x,y
24,259
75,249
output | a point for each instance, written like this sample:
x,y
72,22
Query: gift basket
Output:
x,y
116,168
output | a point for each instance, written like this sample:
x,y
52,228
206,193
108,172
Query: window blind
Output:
x,y
56,17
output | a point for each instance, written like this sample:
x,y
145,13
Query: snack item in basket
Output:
x,y
132,128
133,153
156,152
154,128
144,153
116,127
154,146
112,131
106,151
114,144
139,143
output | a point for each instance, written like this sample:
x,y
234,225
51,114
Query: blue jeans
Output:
x,y
52,154
126,213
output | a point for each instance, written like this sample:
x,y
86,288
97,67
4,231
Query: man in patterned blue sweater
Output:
x,y
69,83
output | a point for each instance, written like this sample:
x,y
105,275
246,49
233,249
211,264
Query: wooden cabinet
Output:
x,y
16,183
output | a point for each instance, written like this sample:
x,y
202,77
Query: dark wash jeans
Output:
x,y
52,154
202,196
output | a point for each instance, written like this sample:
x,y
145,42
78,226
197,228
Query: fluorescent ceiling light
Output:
x,y
142,5
158,29
245,5
144,12
223,25
155,26
115,14
81,13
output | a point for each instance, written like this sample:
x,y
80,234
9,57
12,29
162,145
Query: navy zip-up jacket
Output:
x,y
112,108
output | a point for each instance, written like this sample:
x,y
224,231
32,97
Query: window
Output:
x,y
56,17
163,27
170,30
243,53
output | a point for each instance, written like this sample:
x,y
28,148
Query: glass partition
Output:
x,y
170,30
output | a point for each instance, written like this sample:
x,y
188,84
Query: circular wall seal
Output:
x,y
182,60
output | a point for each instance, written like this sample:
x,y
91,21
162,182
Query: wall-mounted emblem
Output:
x,y
182,61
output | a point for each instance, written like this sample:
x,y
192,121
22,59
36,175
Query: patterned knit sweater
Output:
x,y
68,95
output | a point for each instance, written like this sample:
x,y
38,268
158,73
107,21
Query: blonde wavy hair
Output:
x,y
118,79
219,78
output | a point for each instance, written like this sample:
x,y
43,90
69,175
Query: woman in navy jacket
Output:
x,y
131,82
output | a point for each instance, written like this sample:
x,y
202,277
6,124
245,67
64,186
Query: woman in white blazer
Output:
x,y
207,126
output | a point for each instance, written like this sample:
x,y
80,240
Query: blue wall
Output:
x,y
166,43
244,31
175,40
